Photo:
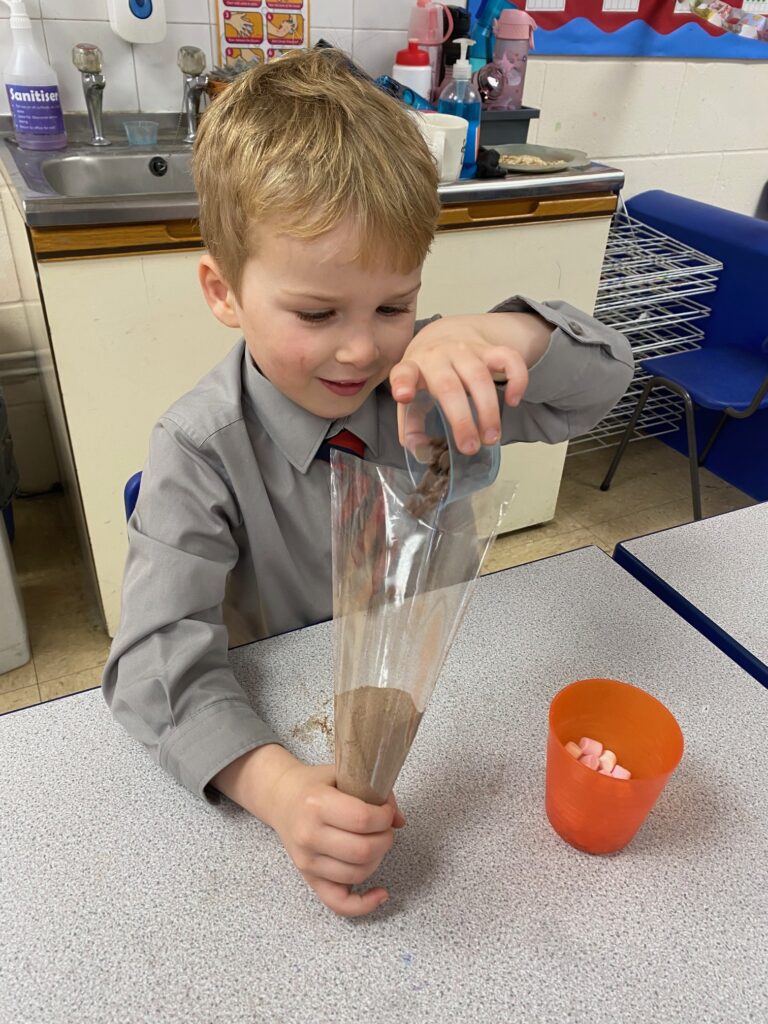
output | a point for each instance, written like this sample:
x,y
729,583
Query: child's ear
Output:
x,y
217,292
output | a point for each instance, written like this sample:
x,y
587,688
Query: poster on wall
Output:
x,y
255,31
650,28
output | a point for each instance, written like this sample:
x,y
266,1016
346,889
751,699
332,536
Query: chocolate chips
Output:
x,y
433,486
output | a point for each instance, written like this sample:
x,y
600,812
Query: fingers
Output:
x,y
470,374
476,380
404,380
399,819
342,901
447,387
353,815
511,365
353,851
338,871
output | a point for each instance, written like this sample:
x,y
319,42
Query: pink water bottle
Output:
x,y
426,27
514,38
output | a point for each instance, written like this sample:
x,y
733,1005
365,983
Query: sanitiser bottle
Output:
x,y
461,98
32,87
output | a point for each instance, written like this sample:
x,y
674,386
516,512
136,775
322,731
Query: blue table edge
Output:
x,y
692,615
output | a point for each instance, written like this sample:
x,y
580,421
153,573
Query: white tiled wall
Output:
x,y
139,77
691,127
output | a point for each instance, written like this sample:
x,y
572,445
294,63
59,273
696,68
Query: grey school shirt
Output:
x,y
230,540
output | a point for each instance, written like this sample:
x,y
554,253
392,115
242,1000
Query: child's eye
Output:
x,y
316,317
392,310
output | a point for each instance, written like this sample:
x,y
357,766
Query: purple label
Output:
x,y
36,109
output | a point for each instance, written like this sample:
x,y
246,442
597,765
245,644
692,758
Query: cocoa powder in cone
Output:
x,y
375,727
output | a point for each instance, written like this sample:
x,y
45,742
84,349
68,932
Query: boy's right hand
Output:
x,y
336,841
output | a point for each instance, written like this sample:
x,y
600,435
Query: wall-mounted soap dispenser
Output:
x,y
138,21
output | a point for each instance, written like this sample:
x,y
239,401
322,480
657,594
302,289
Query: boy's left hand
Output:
x,y
458,356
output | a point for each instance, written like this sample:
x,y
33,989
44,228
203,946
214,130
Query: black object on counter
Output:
x,y
488,164
498,127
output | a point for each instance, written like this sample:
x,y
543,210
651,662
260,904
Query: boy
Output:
x,y
318,205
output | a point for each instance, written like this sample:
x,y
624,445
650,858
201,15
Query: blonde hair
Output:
x,y
307,143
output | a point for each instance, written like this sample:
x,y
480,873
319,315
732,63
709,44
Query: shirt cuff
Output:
x,y
562,362
209,741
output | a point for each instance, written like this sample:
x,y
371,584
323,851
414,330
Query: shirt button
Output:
x,y
576,327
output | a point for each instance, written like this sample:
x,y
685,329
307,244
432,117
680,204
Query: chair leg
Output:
x,y
627,434
713,437
693,462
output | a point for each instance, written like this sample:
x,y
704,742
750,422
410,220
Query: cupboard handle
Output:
x,y
498,212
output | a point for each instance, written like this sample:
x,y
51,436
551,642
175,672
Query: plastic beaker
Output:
x,y
141,133
598,813
427,432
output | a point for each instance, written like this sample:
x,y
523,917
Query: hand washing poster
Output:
x,y
650,28
261,30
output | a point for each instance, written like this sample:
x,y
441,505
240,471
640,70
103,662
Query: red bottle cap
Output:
x,y
413,56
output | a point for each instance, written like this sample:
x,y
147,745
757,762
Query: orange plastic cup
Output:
x,y
593,812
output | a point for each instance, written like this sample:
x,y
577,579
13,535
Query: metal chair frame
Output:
x,y
694,460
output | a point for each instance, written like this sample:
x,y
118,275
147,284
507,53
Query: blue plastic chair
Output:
x,y
131,494
730,380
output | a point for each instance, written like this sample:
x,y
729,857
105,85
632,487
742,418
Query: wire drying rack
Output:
x,y
648,288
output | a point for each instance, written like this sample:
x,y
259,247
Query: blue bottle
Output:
x,y
404,93
485,13
460,97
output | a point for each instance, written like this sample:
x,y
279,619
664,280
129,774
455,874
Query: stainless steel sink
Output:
x,y
121,185
148,172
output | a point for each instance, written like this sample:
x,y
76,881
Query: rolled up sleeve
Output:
x,y
583,373
167,680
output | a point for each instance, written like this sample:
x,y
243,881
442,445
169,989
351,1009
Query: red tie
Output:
x,y
346,441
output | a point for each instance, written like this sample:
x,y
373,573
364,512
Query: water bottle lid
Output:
x,y
514,24
413,56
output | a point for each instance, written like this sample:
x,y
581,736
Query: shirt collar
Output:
x,y
296,432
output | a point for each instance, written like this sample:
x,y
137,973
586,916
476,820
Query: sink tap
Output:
x,y
87,59
192,61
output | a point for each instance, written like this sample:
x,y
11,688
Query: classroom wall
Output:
x,y
693,127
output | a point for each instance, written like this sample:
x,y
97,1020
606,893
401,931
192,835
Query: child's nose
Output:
x,y
359,350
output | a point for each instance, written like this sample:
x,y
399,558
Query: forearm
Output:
x,y
251,780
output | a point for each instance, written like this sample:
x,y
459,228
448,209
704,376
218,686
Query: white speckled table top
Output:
x,y
720,565
124,899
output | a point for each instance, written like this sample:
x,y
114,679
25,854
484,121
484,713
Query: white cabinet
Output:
x,y
129,334
471,269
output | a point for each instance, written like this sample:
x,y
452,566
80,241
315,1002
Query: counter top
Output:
x,y
124,899
42,206
717,566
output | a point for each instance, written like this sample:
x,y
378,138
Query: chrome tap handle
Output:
x,y
87,59
191,60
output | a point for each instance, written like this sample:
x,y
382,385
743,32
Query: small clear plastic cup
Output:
x,y
427,429
141,133
597,813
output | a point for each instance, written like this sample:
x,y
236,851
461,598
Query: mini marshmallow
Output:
x,y
620,773
590,746
574,750
590,761
603,772
608,760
